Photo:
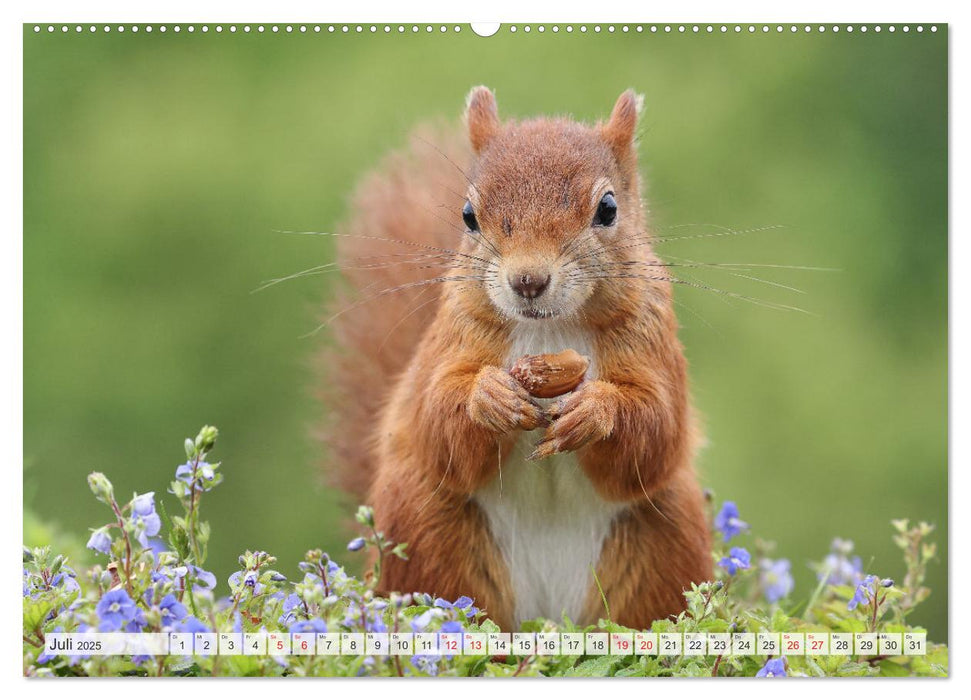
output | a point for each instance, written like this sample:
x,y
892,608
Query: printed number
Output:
x,y
256,644
842,645
694,645
475,645
866,644
303,645
352,644
792,644
598,644
744,645
720,645
891,644
646,645
575,644
668,645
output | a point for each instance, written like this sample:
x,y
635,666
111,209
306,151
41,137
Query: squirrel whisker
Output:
x,y
708,288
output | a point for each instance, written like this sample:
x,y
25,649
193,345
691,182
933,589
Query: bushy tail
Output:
x,y
402,216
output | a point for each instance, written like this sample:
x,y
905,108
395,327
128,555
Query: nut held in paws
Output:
x,y
546,376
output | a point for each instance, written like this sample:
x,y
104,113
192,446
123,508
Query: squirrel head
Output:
x,y
550,205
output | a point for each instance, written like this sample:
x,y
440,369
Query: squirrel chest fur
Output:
x,y
548,521
463,260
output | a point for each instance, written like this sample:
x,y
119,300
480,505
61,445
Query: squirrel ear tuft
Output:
x,y
618,132
481,117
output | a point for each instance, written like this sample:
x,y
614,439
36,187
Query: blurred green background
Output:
x,y
158,168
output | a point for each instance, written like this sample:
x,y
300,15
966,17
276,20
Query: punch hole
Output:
x,y
485,29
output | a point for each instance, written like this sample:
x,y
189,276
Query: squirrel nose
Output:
x,y
528,285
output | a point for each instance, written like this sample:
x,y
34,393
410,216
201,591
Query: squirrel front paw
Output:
x,y
499,403
586,415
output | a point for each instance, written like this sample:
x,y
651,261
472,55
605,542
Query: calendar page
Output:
x,y
524,349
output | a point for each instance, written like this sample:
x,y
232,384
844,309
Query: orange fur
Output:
x,y
425,414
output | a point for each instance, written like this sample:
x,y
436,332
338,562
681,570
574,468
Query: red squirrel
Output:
x,y
462,256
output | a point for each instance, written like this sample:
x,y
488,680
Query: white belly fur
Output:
x,y
546,518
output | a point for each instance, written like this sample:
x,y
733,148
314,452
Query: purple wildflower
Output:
x,y
191,625
865,590
145,518
116,610
738,558
204,475
774,668
839,567
315,625
425,664
420,622
100,541
727,521
356,544
775,579
172,610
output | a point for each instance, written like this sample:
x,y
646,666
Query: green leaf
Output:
x,y
596,667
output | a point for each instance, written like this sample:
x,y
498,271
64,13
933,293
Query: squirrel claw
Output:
x,y
544,448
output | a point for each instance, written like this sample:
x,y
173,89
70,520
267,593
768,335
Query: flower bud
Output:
x,y
887,582
356,544
101,487
206,439
365,516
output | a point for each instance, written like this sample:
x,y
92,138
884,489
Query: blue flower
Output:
x,y
66,579
314,625
290,603
866,590
425,664
116,610
247,578
202,579
839,567
172,610
355,615
100,541
774,668
145,518
727,521
204,475
738,558
356,544
451,627
775,579
463,602
191,625
420,622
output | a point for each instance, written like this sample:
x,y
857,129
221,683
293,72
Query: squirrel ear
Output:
x,y
481,117
618,132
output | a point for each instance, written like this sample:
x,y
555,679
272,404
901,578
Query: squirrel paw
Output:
x,y
499,403
586,415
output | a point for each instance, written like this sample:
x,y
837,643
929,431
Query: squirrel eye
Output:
x,y
468,216
606,211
